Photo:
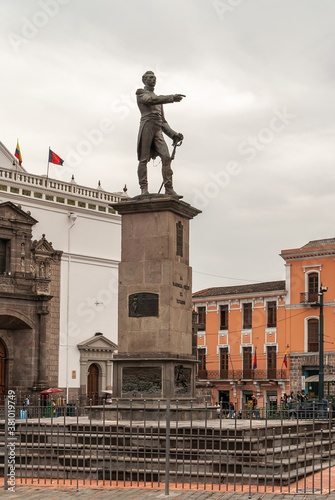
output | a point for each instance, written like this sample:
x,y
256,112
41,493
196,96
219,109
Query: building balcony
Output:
x,y
243,375
68,194
309,297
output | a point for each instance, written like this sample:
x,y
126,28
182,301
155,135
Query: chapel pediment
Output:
x,y
9,212
43,246
97,343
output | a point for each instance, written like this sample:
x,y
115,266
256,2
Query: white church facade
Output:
x,y
79,223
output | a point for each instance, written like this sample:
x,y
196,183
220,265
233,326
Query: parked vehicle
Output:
x,y
311,409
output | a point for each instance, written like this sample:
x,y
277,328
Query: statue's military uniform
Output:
x,y
151,143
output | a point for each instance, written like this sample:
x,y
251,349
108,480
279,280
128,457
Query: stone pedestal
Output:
x,y
155,359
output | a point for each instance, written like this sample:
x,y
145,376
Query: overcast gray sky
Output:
x,y
258,119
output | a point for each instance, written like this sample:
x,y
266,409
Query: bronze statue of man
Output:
x,y
151,142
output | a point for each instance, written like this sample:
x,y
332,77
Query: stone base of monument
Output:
x,y
155,359
149,410
154,377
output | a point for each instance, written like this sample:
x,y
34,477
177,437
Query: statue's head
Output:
x,y
149,78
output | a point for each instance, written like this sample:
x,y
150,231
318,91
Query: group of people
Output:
x,y
225,412
55,408
230,412
25,410
300,397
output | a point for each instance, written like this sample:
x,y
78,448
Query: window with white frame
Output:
x,y
247,315
247,362
202,372
224,361
271,314
313,335
313,287
271,360
224,317
202,317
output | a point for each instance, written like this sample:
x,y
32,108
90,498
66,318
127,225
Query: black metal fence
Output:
x,y
36,399
307,410
162,445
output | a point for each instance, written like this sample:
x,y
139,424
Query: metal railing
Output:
x,y
160,445
309,297
37,400
272,374
41,182
68,194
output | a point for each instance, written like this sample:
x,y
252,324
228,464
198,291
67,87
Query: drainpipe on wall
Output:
x,y
73,217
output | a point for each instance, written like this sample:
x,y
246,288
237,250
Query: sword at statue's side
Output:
x,y
175,144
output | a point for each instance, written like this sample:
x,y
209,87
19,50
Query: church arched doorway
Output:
x,y
93,383
2,372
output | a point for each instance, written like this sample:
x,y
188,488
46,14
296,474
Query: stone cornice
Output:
x,y
309,354
156,203
154,358
96,261
311,254
28,297
247,296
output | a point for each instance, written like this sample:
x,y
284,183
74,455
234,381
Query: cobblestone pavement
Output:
x,y
41,493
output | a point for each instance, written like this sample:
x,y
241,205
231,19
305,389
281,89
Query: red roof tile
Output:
x,y
269,286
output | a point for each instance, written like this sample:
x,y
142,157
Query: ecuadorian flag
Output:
x,y
285,358
255,361
18,153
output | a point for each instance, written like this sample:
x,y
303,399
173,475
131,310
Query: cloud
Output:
x,y
84,66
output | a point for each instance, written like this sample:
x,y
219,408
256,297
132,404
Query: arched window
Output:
x,y
313,287
313,335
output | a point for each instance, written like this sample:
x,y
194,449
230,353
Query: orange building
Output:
x,y
248,333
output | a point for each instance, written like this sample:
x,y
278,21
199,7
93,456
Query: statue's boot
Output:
x,y
142,177
167,179
171,192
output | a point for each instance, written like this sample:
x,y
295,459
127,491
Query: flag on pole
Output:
x,y
18,153
285,358
53,158
255,361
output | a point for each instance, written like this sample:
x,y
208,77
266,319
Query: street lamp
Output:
x,y
321,367
319,304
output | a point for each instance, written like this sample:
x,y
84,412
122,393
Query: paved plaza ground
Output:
x,y
316,488
23,493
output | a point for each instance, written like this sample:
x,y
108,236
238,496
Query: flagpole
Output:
x,y
17,142
48,163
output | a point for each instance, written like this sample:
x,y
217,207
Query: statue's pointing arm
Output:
x,y
148,98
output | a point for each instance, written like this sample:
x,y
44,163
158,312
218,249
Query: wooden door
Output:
x,y
2,372
93,384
